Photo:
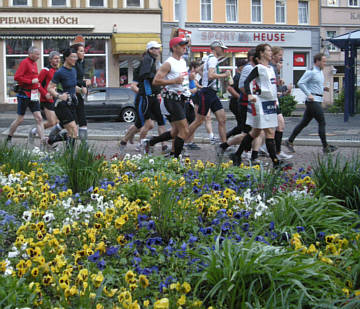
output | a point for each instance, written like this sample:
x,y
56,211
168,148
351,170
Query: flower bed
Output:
x,y
163,233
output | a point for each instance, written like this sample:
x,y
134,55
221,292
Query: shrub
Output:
x,y
340,177
288,104
339,104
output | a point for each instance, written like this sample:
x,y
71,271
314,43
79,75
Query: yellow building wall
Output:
x,y
193,11
244,11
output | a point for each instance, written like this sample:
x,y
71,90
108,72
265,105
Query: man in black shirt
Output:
x,y
147,100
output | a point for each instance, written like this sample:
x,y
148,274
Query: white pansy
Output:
x,y
14,253
27,215
48,217
151,161
127,156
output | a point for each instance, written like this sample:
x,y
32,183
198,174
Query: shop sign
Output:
x,y
292,38
299,60
39,20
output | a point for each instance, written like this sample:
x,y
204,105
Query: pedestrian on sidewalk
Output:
x,y
28,94
174,76
312,84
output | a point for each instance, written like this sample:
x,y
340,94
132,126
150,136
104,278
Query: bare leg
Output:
x,y
221,118
39,124
14,125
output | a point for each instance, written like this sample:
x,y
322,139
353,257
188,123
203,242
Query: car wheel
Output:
x,y
128,114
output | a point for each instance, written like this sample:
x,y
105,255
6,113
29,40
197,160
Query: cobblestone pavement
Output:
x,y
304,156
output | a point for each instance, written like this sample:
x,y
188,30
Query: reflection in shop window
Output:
x,y
16,51
21,2
95,70
134,3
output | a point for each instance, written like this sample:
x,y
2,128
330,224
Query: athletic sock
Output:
x,y
224,146
245,144
254,155
270,146
166,136
123,143
278,140
178,145
9,137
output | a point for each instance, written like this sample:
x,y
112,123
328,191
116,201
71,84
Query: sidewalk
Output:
x,y
339,133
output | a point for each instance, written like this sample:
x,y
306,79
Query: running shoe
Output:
x,y
284,156
165,149
236,160
31,136
246,155
193,146
145,146
213,140
329,149
263,151
219,150
290,146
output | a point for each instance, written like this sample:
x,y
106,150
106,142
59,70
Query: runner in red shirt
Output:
x,y
28,94
46,100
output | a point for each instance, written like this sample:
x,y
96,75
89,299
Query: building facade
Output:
x,y
337,17
292,24
115,33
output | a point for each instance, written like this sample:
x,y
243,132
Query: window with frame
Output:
x,y
353,3
176,10
332,2
21,2
16,51
95,62
330,35
97,3
206,10
280,11
58,3
256,11
231,10
303,12
134,3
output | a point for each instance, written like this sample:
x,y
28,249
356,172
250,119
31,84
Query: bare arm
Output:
x,y
52,90
134,87
213,75
233,92
159,79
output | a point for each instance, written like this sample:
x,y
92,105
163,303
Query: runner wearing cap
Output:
x,y
173,75
147,99
208,97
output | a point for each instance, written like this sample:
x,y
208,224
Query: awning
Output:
x,y
132,43
53,36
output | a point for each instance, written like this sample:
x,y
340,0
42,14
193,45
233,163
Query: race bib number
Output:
x,y
34,95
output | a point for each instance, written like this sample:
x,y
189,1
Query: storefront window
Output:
x,y
95,47
16,51
95,70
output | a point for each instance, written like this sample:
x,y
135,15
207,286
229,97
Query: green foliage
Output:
x,y
136,190
315,214
287,104
255,275
339,104
15,293
83,167
340,177
15,158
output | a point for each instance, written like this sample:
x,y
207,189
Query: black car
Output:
x,y
115,103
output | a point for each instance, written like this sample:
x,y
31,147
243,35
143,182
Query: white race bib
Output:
x,y
34,95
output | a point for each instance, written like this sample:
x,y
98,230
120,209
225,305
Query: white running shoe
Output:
x,y
31,136
263,151
213,140
246,155
284,156
145,146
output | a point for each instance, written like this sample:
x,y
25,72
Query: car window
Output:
x,y
96,96
119,94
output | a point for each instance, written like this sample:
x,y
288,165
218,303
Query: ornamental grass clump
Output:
x,y
339,177
83,167
255,275
16,158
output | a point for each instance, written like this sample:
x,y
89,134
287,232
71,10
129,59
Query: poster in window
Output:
x,y
300,60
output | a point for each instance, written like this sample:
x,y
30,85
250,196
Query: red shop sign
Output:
x,y
299,60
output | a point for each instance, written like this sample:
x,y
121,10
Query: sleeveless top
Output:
x,y
178,68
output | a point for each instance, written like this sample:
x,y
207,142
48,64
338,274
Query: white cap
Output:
x,y
218,43
153,44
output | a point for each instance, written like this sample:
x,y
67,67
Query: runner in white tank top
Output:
x,y
173,75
